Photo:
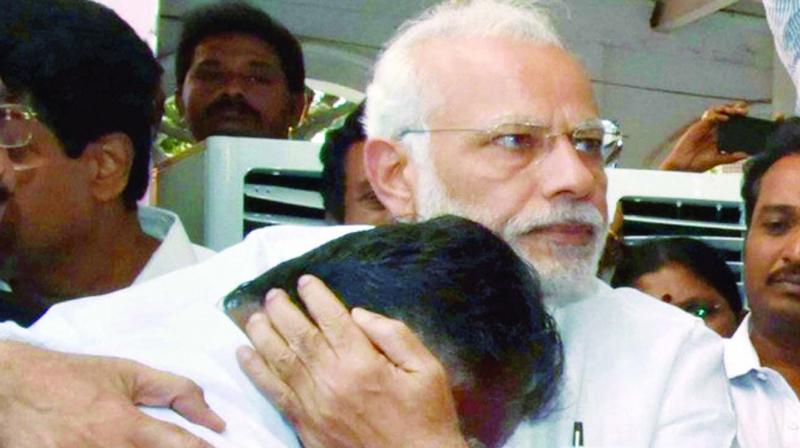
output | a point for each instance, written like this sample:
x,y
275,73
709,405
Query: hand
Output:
x,y
696,150
353,380
50,399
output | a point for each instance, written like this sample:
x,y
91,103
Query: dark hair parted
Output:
x,y
240,17
695,255
87,74
471,299
784,142
333,156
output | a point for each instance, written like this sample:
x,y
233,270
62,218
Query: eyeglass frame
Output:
x,y
27,115
608,160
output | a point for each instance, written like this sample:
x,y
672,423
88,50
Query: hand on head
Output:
x,y
357,379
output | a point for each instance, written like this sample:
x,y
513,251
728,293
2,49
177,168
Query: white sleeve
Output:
x,y
696,408
784,21
10,331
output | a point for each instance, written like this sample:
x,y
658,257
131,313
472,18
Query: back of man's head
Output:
x,y
87,75
475,304
238,17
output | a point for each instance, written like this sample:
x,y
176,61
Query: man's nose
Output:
x,y
563,172
234,85
791,248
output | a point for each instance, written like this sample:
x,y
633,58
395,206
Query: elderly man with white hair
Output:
x,y
475,109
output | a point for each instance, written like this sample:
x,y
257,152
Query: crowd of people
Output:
x,y
464,310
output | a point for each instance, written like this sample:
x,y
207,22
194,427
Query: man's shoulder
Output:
x,y
630,310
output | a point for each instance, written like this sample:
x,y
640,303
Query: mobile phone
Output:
x,y
744,134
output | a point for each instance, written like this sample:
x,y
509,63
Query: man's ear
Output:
x,y
179,101
110,159
392,176
298,104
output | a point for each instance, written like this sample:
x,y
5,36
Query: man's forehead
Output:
x,y
229,45
500,80
780,186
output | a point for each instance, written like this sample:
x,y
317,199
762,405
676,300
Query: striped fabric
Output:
x,y
784,21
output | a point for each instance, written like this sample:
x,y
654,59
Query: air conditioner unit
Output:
x,y
660,204
229,186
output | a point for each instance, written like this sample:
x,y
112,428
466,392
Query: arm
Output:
x,y
783,17
696,409
354,380
696,150
50,399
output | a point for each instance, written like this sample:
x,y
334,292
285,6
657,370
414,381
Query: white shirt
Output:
x,y
784,21
638,372
173,323
176,251
766,406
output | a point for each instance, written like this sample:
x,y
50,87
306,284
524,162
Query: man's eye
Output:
x,y
208,76
776,227
518,141
589,145
259,79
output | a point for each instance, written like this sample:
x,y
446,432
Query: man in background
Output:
x,y
346,193
762,358
81,89
239,72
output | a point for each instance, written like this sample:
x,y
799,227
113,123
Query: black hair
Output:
x,y
240,17
333,156
87,73
785,141
459,286
700,258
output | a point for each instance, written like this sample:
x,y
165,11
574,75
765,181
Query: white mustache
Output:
x,y
561,213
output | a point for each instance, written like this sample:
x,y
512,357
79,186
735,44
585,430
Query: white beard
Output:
x,y
568,273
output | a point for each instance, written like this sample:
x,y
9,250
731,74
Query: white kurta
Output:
x,y
639,373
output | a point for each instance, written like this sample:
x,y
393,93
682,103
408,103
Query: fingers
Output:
x,y
267,382
302,337
397,342
152,387
150,432
719,114
331,316
725,157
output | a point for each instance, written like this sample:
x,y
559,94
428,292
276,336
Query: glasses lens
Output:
x,y
519,136
16,134
601,138
15,130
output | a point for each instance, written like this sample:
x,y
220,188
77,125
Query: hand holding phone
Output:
x,y
744,134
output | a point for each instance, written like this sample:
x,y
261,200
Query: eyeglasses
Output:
x,y
599,139
16,133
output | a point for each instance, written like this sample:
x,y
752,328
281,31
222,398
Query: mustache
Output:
x,y
229,103
562,213
789,273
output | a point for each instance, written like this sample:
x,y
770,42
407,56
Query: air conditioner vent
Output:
x,y
273,196
718,223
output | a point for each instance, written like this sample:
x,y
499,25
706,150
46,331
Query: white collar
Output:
x,y
740,356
